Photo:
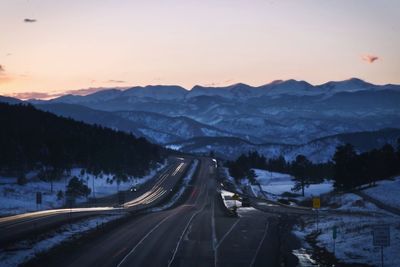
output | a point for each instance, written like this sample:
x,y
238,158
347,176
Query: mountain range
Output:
x,y
282,113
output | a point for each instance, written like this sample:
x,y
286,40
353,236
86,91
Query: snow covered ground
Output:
x,y
16,199
354,231
386,191
275,184
28,249
228,201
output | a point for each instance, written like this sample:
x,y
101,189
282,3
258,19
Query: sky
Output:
x,y
52,47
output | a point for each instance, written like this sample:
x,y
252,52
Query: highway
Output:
x,y
13,228
197,232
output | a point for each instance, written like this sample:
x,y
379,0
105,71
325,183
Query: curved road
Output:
x,y
196,233
15,227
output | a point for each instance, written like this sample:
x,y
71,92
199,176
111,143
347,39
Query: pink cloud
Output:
x,y
33,95
116,81
86,91
4,77
369,58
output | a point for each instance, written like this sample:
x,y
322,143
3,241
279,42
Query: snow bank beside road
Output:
x,y
26,250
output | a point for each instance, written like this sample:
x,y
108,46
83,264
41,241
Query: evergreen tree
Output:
x,y
344,160
77,188
299,169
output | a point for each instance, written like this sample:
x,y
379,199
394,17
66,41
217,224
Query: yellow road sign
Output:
x,y
316,203
236,197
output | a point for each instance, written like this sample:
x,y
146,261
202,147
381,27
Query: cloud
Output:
x,y
116,81
369,58
43,95
4,78
212,84
84,91
33,95
27,20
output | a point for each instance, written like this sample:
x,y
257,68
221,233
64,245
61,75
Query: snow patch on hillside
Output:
x,y
354,225
386,191
275,184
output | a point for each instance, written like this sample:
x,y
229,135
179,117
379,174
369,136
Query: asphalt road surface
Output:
x,y
15,227
198,232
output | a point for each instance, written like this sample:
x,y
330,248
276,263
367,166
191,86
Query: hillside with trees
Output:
x,y
352,169
348,168
31,139
303,170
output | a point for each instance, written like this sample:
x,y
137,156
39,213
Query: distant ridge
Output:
x,y
277,87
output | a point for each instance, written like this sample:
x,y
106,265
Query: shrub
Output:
x,y
21,179
77,188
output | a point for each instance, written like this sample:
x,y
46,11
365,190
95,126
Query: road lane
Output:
x,y
15,227
196,233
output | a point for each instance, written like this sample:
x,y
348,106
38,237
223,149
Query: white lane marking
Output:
x,y
227,233
155,197
186,227
178,168
214,234
26,217
144,238
259,245
183,233
149,194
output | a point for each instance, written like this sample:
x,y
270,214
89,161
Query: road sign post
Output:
x,y
235,197
70,202
381,237
317,206
38,199
121,197
334,235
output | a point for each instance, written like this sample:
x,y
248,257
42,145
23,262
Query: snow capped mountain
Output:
x,y
159,92
289,87
319,150
239,91
10,100
350,85
290,112
182,127
100,96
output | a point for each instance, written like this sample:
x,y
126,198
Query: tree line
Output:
x,y
352,169
31,139
303,170
347,168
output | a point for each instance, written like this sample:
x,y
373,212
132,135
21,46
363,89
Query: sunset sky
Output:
x,y
50,47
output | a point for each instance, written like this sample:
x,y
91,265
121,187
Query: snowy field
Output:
x,y
28,249
386,191
354,231
16,199
275,184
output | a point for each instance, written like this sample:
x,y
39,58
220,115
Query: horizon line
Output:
x,y
93,90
